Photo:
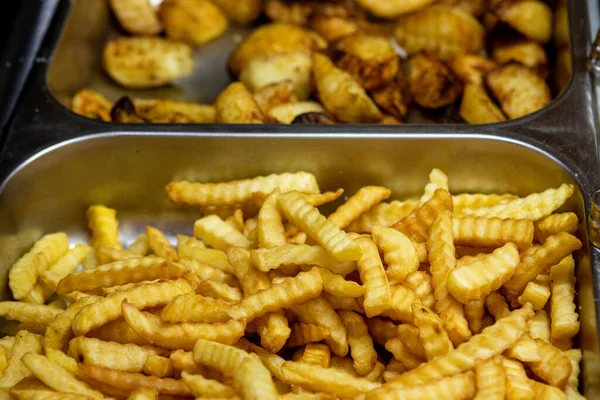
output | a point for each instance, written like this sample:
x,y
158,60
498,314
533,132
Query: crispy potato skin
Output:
x,y
341,95
393,98
193,21
476,106
91,104
170,110
371,60
440,30
145,62
519,90
240,11
432,84
470,67
393,8
235,105
136,16
531,18
527,52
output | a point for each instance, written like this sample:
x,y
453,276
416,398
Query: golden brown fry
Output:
x,y
235,105
543,391
275,94
399,253
490,380
393,98
216,233
432,84
160,245
518,385
219,290
525,350
401,301
383,214
416,225
204,272
15,371
420,283
203,387
159,366
539,326
523,51
532,18
492,232
361,345
317,354
409,335
555,223
300,254
271,232
91,104
497,306
381,330
28,313
196,308
470,68
303,334
563,314
431,332
193,21
402,354
171,111
136,16
474,311
394,8
336,285
374,279
359,203
554,366
536,294
457,387
476,106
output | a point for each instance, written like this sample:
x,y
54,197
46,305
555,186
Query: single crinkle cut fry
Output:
x,y
28,313
401,301
484,275
218,234
420,283
271,232
16,371
431,332
60,330
490,379
555,223
401,353
34,389
317,354
409,335
417,224
359,203
361,345
563,311
160,244
136,16
203,387
474,311
159,366
383,214
298,254
478,200
525,350
457,387
539,326
548,392
399,253
554,366
103,223
303,334
381,330
518,385
219,290
336,285
207,272
214,258
65,265
536,294
195,308
374,279
492,232
24,273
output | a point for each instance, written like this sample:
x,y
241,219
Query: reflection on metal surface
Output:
x,y
593,62
594,220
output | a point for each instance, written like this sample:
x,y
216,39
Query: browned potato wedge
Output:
x,y
527,52
333,28
266,70
476,106
313,118
440,30
470,67
91,104
145,62
273,39
136,16
235,105
393,98
371,60
275,94
166,110
341,95
124,111
295,12
193,21
240,11
432,84
532,18
474,7
393,8
286,113
518,89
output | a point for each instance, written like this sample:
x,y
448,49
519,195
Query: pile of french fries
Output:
x,y
364,61
467,296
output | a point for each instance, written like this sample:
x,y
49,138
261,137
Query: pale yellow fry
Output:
x,y
399,253
474,311
420,283
402,299
117,331
65,265
383,214
102,221
326,380
563,311
195,308
381,330
431,331
535,294
497,306
298,210
218,234
416,225
25,272
120,273
57,377
490,379
533,207
575,356
298,254
437,180
28,313
336,285
442,260
60,330
525,350
554,366
16,371
212,257
109,308
410,337
539,326
203,387
188,242
547,392
4,354
159,244
319,312
237,220
158,366
373,278
484,275
555,223
207,272
91,261
492,232
179,336
457,387
317,354
478,200
143,394
573,393
109,255
184,361
140,246
303,334
323,198
33,389
271,361
554,249
271,232
219,290
359,203
401,353
305,286
251,376
237,192
361,345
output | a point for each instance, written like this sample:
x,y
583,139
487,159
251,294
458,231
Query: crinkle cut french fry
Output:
x,y
140,246
317,354
374,278
555,223
15,371
195,308
298,254
539,326
535,294
359,203
120,273
575,356
336,285
219,290
271,232
219,234
525,350
65,265
160,245
344,303
484,275
237,220
547,392
420,283
457,387
554,249
203,387
563,314
554,366
474,311
399,253
401,353
303,334
490,379
184,361
237,192
103,223
60,330
431,332
28,313
478,200
497,306
381,330
34,389
401,301
60,358
383,214
437,180
212,257
25,272
416,225
492,232
409,335
158,366
143,394
361,345
207,272
518,385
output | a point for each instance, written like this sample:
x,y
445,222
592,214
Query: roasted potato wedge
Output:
x,y
295,12
266,70
136,16
371,60
532,18
235,105
193,21
91,104
313,118
476,106
145,62
240,11
474,7
286,113
519,90
440,30
273,39
170,110
527,52
394,97
341,95
333,28
470,67
274,95
432,84
393,8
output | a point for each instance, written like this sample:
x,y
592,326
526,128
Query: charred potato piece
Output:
x,y
432,84
266,70
272,39
341,95
175,111
313,118
240,11
527,52
440,30
391,9
333,28
124,111
476,106
393,98
145,62
473,7
193,21
286,113
470,67
531,18
519,90
274,95
371,60
91,104
136,16
235,105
